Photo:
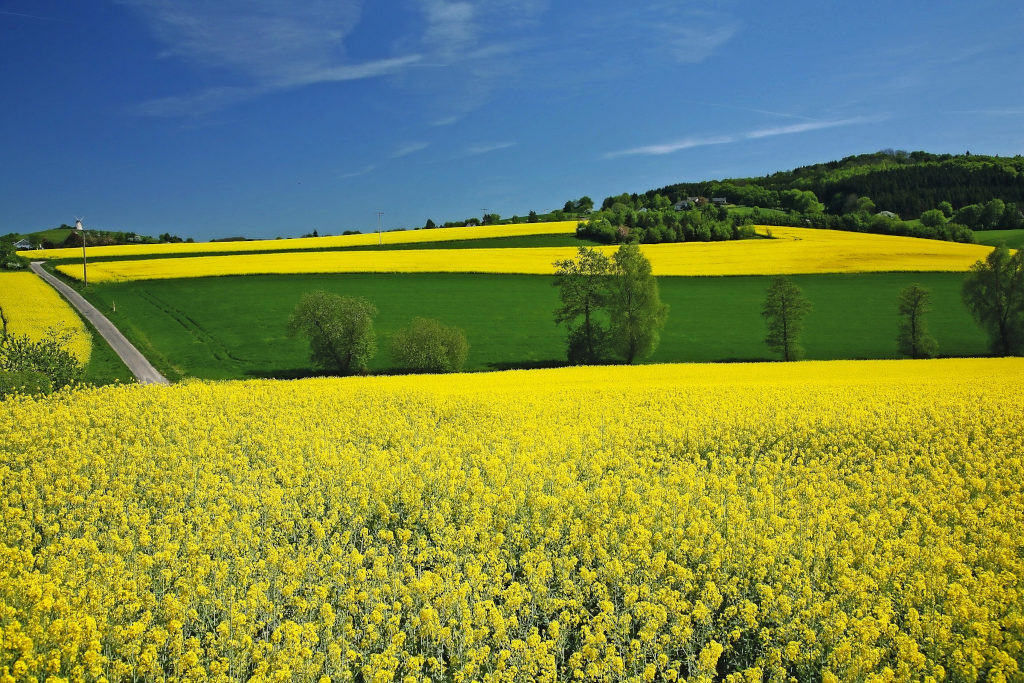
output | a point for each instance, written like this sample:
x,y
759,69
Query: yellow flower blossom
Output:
x,y
838,520
314,243
793,250
33,307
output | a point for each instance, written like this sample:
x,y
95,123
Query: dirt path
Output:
x,y
136,362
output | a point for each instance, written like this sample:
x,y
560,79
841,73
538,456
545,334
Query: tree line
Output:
x,y
625,220
917,194
906,183
612,309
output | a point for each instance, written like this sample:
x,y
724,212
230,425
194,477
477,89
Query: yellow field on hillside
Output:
x,y
32,307
835,521
792,251
308,243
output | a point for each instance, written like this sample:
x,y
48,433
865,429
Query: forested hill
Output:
x,y
906,183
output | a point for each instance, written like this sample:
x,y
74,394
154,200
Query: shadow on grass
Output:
x,y
527,365
303,373
286,373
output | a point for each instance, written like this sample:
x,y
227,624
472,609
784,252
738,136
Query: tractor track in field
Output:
x,y
194,329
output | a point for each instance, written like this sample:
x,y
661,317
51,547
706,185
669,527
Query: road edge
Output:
x,y
139,366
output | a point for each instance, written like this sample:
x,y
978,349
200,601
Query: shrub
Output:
x,y
48,356
427,345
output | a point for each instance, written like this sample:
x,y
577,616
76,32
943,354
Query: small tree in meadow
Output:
x,y
339,329
913,339
634,305
784,309
584,290
427,345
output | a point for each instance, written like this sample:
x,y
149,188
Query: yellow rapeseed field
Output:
x,y
794,250
833,521
33,308
307,243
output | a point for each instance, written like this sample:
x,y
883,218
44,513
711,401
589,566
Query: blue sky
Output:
x,y
265,118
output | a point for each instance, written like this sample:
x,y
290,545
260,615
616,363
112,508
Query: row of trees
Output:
x,y
612,308
995,214
993,292
621,223
342,339
785,307
574,208
651,218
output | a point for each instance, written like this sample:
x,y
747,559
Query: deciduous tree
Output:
x,y
994,293
913,339
339,328
636,311
584,290
784,309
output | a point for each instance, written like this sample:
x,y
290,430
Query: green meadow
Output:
x,y
234,327
1012,239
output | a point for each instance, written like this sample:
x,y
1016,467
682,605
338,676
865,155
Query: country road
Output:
x,y
144,372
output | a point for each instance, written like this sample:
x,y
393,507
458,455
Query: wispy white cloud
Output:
x,y
805,127
27,16
451,26
703,141
477,46
693,43
355,174
989,112
446,120
754,110
212,99
406,150
474,150
685,32
260,46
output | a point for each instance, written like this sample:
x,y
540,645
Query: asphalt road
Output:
x,y
136,362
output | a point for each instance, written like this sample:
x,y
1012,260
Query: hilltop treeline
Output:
x,y
624,219
905,183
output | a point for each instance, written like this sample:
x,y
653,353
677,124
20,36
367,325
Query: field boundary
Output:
x,y
141,368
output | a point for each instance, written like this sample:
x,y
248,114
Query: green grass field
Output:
x,y
1013,239
104,366
234,327
56,235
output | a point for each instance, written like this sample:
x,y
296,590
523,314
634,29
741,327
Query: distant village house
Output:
x,y
689,203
